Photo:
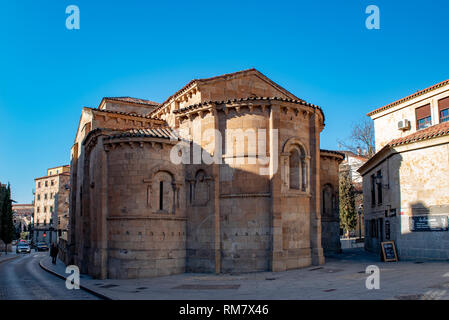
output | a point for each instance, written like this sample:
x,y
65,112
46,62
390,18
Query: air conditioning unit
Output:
x,y
404,124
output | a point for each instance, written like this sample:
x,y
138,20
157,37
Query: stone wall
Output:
x,y
330,213
136,214
239,87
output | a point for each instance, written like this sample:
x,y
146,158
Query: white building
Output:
x,y
406,183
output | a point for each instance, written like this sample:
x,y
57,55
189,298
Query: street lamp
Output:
x,y
359,212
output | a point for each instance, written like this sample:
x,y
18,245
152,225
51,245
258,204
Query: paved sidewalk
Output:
x,y
342,277
59,269
5,257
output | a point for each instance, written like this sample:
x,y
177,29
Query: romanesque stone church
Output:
x,y
269,203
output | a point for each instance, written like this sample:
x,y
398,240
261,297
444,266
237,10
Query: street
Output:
x,y
23,279
342,277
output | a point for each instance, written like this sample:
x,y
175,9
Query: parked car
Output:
x,y
42,246
23,247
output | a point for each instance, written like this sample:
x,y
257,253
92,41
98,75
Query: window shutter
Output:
x,y
443,104
423,112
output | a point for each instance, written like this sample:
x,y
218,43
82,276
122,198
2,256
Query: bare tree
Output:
x,y
361,138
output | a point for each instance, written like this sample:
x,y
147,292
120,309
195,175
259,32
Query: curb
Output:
x,y
9,259
99,295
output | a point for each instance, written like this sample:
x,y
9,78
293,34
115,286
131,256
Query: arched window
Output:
x,y
294,164
200,189
163,195
298,168
328,202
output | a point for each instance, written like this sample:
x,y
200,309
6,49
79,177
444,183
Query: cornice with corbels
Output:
x,y
130,120
287,107
157,144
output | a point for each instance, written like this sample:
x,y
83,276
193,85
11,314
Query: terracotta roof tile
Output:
x,y
164,133
337,153
223,76
434,131
354,155
132,114
414,95
133,100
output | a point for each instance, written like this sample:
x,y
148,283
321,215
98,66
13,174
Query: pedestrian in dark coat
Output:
x,y
54,253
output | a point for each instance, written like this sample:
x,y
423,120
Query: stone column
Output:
x,y
277,254
315,188
104,213
216,174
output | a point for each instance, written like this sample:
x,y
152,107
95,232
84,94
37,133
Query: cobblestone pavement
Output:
x,y
343,277
23,279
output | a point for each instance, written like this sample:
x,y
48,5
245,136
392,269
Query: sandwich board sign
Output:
x,y
389,253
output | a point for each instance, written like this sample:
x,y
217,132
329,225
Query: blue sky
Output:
x,y
319,50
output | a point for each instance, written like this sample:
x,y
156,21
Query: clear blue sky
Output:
x,y
319,50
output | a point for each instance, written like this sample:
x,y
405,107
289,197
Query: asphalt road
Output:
x,y
23,279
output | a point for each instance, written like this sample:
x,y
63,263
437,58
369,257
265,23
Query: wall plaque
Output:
x,y
429,223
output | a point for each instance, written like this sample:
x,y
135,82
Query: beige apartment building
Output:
x,y
23,215
135,212
406,183
51,205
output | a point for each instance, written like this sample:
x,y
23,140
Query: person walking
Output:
x,y
54,253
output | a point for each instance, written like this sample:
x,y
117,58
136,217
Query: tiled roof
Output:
x,y
197,105
133,100
131,114
223,76
163,133
354,155
64,166
333,152
435,131
414,95
54,175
